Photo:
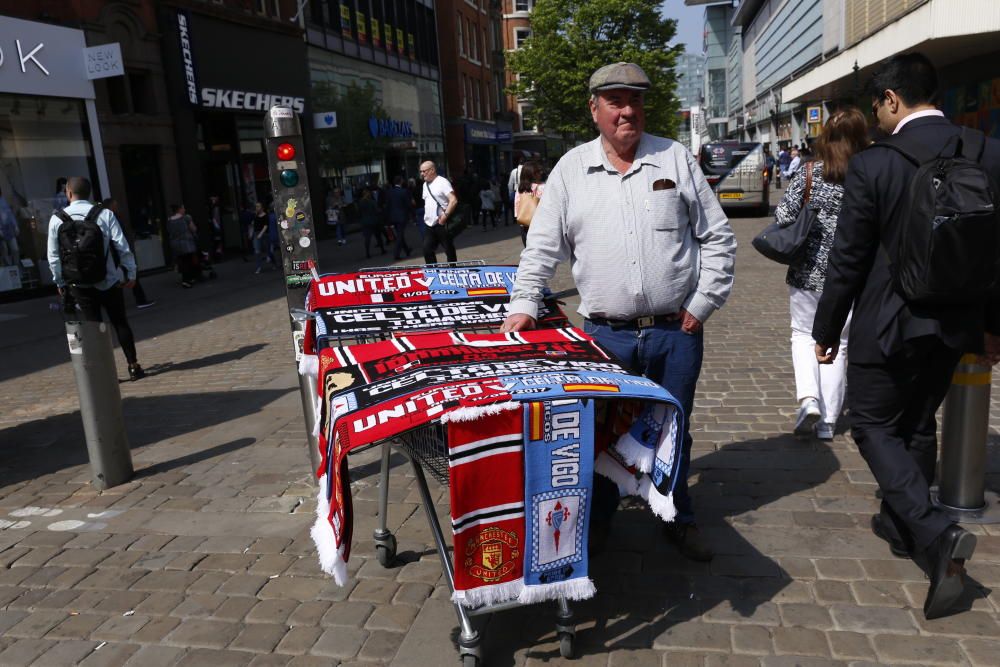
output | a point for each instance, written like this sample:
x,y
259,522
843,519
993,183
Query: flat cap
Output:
x,y
619,75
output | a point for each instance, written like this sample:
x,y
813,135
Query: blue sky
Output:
x,y
690,23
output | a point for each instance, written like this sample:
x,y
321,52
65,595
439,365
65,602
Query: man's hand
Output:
x,y
61,290
689,323
517,322
824,354
442,219
129,284
991,344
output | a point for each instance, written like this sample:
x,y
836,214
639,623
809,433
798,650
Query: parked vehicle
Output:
x,y
738,173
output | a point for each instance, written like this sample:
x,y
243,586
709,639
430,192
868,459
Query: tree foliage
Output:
x,y
351,142
572,38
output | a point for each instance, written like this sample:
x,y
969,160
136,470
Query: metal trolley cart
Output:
x,y
426,448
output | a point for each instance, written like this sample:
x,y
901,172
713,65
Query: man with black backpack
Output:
x,y
916,255
84,268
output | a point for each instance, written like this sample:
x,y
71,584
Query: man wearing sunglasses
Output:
x,y
903,351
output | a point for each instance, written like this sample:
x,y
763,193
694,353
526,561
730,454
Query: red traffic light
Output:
x,y
286,152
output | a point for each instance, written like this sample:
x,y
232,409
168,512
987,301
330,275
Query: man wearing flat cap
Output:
x,y
652,257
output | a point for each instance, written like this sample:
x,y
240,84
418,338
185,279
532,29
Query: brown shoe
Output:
x,y
688,540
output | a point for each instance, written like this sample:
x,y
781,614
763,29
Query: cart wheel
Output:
x,y
385,551
469,660
566,641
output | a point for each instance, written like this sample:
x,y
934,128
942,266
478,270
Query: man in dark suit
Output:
x,y
900,357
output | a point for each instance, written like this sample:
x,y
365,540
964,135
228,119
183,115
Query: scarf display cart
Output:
x,y
408,359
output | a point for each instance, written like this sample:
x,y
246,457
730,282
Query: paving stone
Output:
x,y
69,652
349,614
234,609
340,642
36,624
109,655
271,611
259,638
159,603
800,641
120,628
381,646
165,581
308,613
806,616
78,626
299,640
202,633
981,652
752,639
155,630
215,658
374,590
392,618
155,656
208,582
121,601
917,650
24,652
271,660
872,619
635,658
828,591
850,646
840,569
693,635
243,585
79,557
198,606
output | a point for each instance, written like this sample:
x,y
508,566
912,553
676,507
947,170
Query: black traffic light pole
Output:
x,y
293,209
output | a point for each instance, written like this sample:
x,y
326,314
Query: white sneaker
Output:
x,y
824,431
807,417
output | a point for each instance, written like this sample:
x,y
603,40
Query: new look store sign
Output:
x,y
42,59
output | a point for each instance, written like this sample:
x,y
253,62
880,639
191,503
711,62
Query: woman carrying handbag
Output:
x,y
819,186
528,195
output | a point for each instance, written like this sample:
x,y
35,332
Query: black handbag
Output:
x,y
785,244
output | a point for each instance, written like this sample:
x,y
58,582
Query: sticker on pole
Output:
x,y
75,344
298,338
282,112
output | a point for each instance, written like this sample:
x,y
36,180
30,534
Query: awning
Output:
x,y
946,31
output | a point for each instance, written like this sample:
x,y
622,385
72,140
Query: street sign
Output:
x,y
325,120
104,61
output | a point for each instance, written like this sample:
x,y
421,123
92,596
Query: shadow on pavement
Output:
x,y
645,588
193,457
204,362
44,446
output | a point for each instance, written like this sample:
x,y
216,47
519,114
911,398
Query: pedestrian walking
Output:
x,y
653,258
215,218
769,163
439,205
273,239
794,164
487,204
529,194
182,232
369,218
784,159
513,181
261,243
819,388
904,343
71,251
246,228
398,207
141,300
334,214
10,252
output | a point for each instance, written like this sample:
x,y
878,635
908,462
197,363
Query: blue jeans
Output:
x,y
671,358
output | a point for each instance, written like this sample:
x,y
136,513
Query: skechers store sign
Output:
x,y
202,75
215,98
387,127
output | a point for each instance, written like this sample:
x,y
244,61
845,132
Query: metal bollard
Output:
x,y
965,426
100,403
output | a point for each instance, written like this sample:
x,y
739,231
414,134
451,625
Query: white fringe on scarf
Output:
x,y
607,466
318,423
635,453
487,596
581,588
309,366
475,412
661,505
331,557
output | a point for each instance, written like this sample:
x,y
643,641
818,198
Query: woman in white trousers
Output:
x,y
819,185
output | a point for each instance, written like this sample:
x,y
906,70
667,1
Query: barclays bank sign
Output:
x,y
389,128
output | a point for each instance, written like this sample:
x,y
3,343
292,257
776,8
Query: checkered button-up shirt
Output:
x,y
635,250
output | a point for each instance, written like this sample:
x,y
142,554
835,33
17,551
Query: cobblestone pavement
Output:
x,y
205,559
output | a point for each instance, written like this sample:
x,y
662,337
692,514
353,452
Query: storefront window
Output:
x,y
42,140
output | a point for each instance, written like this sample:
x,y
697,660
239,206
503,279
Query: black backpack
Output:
x,y
948,250
81,248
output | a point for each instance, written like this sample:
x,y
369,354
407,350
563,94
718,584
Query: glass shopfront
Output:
x,y
47,121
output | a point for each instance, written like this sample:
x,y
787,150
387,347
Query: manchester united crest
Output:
x,y
491,554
